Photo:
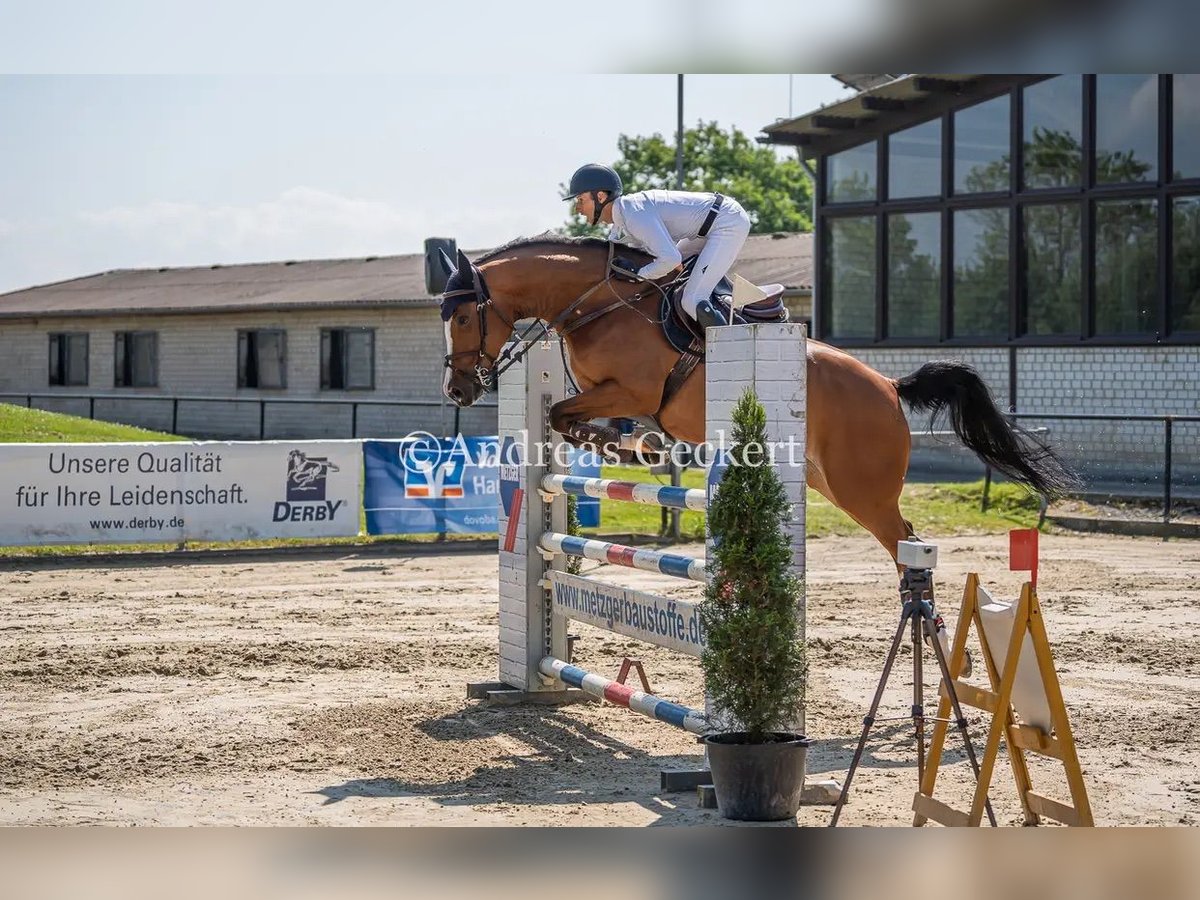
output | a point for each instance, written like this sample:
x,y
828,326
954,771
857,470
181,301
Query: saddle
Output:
x,y
684,334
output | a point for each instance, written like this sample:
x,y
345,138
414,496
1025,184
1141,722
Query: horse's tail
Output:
x,y
955,387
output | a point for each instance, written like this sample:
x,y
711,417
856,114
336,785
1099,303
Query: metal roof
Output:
x,y
884,107
389,281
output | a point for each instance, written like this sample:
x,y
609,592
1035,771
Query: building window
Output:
x,y
262,358
915,161
850,175
1126,266
68,359
135,362
1053,286
914,286
1126,128
1185,265
1185,152
347,359
981,147
980,291
850,276
1053,140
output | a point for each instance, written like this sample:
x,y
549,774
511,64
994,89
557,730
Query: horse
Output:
x,y
858,440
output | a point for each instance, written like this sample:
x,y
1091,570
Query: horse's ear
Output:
x,y
464,264
446,262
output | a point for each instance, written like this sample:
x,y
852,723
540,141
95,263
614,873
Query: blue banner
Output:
x,y
427,485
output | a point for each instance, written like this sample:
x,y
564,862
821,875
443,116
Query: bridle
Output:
x,y
489,368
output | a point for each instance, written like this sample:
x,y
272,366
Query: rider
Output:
x,y
668,225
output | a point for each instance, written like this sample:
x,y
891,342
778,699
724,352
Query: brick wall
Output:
x,y
1129,380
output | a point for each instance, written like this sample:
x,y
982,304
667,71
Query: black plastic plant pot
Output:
x,y
758,782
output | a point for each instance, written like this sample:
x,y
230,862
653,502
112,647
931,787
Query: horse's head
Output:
x,y
475,332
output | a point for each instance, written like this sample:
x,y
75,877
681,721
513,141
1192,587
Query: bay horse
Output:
x,y
858,438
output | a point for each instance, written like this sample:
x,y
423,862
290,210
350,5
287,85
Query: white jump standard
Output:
x,y
538,596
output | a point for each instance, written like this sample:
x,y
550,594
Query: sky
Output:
x,y
148,133
127,171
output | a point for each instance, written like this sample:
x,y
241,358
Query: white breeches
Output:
x,y
718,251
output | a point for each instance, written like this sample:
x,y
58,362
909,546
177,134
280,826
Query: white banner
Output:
x,y
664,622
170,492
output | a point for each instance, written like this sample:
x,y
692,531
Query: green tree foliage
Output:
x,y
754,664
775,191
574,563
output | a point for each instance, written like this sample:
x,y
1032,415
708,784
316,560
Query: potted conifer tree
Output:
x,y
754,663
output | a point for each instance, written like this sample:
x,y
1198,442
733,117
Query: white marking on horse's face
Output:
x,y
449,350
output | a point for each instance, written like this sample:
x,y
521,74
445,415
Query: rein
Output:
x,y
488,368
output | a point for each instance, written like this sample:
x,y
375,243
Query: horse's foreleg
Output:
x,y
570,417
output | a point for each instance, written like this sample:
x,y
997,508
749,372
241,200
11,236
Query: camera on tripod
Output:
x,y
916,554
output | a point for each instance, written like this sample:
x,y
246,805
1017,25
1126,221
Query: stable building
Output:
x,y
1044,229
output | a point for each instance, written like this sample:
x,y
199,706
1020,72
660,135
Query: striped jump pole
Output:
x,y
629,491
622,695
618,554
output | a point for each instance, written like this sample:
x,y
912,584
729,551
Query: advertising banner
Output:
x,y
170,492
427,485
662,621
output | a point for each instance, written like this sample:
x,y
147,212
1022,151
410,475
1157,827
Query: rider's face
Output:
x,y
585,206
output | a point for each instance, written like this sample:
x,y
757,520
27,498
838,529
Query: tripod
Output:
x,y
916,595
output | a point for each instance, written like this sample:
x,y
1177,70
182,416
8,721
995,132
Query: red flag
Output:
x,y
1023,552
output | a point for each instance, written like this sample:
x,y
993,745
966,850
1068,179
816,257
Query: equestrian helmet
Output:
x,y
594,177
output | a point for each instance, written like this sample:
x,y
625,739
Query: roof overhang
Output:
x,y
884,108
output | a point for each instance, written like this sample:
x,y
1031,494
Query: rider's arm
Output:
x,y
645,226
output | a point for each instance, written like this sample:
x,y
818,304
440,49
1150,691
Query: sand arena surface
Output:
x,y
330,690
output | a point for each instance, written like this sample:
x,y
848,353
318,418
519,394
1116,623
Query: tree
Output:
x,y
754,663
775,191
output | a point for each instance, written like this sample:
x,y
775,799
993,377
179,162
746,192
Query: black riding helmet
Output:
x,y
592,178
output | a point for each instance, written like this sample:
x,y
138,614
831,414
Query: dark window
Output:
x,y
981,147
135,363
1053,269
915,161
1053,141
851,276
850,175
69,359
980,305
347,359
1186,123
1126,128
1185,265
1126,266
914,275
262,358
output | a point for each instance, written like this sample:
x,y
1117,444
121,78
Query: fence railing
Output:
x,y
1123,466
1132,458
1099,484
447,418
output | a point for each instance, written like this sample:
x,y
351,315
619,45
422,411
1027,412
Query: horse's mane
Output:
x,y
561,241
